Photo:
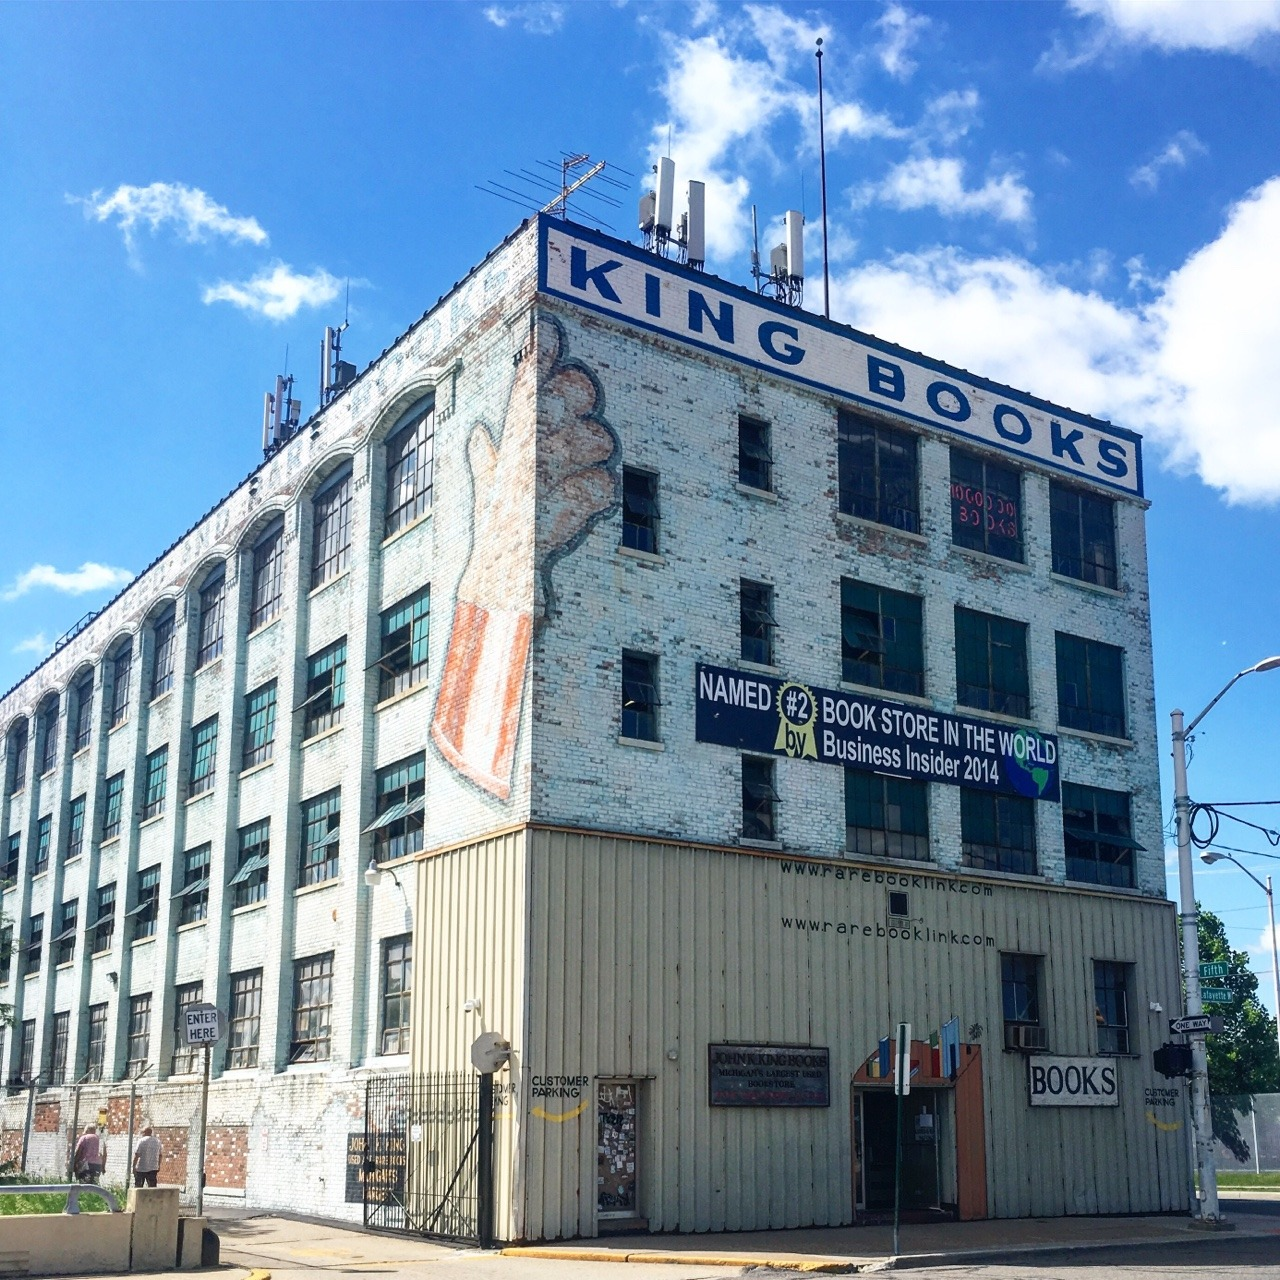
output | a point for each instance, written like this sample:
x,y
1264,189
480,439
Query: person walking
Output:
x,y
146,1159
90,1156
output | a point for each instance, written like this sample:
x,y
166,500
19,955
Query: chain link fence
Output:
x,y
1248,1133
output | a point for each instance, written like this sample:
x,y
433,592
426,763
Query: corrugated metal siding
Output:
x,y
469,943
641,948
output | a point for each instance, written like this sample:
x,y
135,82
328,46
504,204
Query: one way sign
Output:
x,y
1201,1022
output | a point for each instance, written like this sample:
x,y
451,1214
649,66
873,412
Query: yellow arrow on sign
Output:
x,y
1165,1126
563,1116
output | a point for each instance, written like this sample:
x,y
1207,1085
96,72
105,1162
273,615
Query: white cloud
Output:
x,y
36,644
951,115
538,19
278,293
722,104
188,209
1191,368
937,182
1178,152
88,578
900,29
1223,25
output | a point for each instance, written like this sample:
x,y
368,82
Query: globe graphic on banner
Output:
x,y
1023,767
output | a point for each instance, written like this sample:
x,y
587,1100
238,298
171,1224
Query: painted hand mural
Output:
x,y
575,452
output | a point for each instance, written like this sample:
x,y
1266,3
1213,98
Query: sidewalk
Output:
x,y
288,1248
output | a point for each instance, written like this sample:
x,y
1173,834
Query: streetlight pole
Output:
x,y
1201,1120
1211,856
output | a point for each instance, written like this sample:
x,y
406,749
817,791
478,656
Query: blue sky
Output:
x,y
1081,199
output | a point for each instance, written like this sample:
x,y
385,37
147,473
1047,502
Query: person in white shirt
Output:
x,y
146,1159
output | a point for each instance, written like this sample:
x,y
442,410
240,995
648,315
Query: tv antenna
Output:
x,y
577,188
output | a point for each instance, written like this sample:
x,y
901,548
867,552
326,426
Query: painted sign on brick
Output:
x,y
832,726
620,280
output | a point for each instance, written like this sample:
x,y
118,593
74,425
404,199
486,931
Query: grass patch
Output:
x,y
1246,1180
56,1202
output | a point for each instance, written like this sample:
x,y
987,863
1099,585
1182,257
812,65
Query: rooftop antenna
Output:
x,y
785,277
662,232
280,414
336,374
530,191
822,157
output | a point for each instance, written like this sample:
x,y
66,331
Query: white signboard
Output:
x,y
1072,1082
202,1024
643,289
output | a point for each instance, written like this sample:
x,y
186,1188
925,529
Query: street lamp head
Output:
x,y
372,874
1267,664
1210,857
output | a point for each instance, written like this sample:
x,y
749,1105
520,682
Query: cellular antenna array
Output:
x,y
336,374
280,415
784,279
662,234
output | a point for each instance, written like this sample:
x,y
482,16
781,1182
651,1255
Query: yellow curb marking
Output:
x,y
1165,1126
563,1116
258,1274
810,1265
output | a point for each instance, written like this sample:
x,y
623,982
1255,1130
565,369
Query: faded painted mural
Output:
x,y
573,453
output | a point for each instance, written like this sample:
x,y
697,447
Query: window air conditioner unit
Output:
x,y
1025,1037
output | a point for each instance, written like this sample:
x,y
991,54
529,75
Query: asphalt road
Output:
x,y
294,1250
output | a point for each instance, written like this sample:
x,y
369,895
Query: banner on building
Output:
x,y
831,726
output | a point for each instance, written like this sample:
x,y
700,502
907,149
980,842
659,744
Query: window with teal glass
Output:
x,y
259,725
204,751
405,630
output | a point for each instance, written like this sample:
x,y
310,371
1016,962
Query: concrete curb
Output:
x,y
847,1265
1017,1253
765,1262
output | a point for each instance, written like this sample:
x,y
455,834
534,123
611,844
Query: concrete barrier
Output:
x,y
53,1244
155,1227
147,1236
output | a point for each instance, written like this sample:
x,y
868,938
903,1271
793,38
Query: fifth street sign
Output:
x,y
1214,969
203,1024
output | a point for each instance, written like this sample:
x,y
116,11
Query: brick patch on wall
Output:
x,y
173,1155
118,1114
226,1159
47,1116
11,1145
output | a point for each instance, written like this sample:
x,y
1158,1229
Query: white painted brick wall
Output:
x,y
676,412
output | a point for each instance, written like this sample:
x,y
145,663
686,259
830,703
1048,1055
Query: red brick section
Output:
x,y
46,1117
226,1155
118,1114
11,1145
173,1155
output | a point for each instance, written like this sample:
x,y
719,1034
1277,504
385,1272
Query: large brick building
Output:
x,y
723,686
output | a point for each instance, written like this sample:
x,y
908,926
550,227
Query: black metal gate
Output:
x,y
428,1155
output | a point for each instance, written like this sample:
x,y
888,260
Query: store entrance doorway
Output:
x,y
924,1118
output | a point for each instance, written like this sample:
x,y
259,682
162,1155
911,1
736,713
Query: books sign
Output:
x,y
1072,1082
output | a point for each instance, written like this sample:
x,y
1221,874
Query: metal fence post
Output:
x,y
26,1125
484,1165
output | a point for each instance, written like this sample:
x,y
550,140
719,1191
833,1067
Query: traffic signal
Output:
x,y
1173,1059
